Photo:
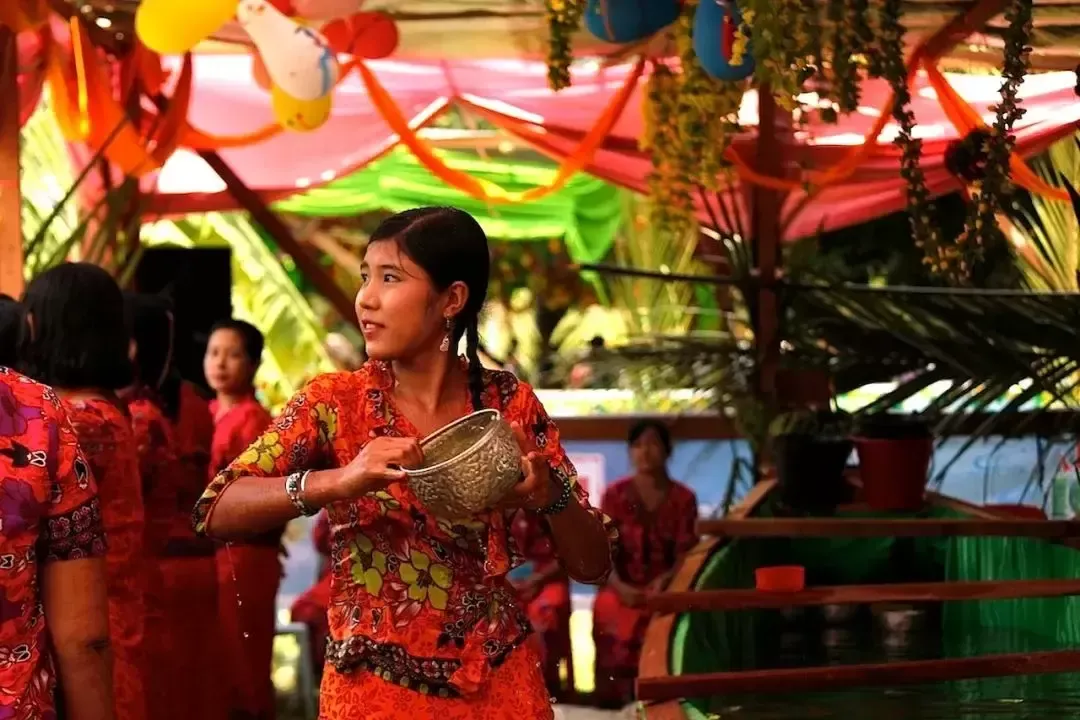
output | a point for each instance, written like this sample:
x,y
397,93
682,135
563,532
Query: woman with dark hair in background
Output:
x,y
655,517
423,621
173,456
249,572
11,320
76,341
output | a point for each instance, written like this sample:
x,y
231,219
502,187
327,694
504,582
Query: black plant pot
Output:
x,y
810,472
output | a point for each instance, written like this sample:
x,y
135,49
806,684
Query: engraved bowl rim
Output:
x,y
467,452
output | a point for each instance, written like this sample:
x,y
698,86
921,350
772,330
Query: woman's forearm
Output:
x,y
85,672
249,506
582,544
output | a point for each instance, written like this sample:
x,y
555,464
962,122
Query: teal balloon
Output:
x,y
709,41
626,21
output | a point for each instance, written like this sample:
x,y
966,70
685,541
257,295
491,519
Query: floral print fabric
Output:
x,y
416,600
49,512
104,434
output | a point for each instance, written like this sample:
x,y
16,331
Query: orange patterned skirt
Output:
x,y
515,691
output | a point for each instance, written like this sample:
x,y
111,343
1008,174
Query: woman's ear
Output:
x,y
457,296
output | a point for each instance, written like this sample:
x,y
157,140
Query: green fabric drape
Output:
x,y
586,213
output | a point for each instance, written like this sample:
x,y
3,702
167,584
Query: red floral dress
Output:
x,y
549,610
49,512
423,621
248,576
182,593
650,544
104,433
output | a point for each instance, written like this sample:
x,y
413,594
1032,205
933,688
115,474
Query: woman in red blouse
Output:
x,y
423,621
172,428
655,517
546,592
55,619
248,572
78,344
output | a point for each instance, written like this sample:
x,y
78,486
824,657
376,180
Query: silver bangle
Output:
x,y
294,488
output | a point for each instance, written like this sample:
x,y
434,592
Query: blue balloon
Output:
x,y
709,41
626,21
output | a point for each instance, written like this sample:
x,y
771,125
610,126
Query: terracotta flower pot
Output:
x,y
894,471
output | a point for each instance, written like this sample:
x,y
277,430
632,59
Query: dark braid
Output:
x,y
476,371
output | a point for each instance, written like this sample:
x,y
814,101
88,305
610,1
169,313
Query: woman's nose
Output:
x,y
365,298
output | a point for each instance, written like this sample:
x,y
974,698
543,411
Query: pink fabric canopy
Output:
x,y
514,95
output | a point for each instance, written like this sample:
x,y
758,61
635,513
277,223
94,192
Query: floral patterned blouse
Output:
x,y
48,512
418,600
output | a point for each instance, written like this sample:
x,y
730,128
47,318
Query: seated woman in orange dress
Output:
x,y
172,428
546,592
249,573
55,626
423,621
78,344
655,517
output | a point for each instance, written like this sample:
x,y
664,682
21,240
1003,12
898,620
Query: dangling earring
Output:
x,y
444,346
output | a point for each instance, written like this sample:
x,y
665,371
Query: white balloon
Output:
x,y
298,59
326,9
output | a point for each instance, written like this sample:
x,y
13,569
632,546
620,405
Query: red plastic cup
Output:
x,y
780,578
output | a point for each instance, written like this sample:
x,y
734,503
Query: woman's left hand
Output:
x,y
537,488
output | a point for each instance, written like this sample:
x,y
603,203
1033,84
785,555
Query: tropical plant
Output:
x,y
1045,231
57,225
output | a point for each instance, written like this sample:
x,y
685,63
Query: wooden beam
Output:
x,y
837,677
655,661
11,241
279,231
890,527
677,602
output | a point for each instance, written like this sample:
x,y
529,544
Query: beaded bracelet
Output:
x,y
563,501
294,488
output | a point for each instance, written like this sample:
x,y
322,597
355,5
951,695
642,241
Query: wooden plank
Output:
x,y
837,677
655,651
890,527
676,602
11,247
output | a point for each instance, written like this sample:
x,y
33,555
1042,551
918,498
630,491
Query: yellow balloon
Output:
x,y
173,27
299,115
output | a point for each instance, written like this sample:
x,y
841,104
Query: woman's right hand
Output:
x,y
378,464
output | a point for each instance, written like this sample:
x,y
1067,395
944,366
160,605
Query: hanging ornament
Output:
x,y
299,115
719,42
627,21
326,9
174,27
298,59
368,35
259,73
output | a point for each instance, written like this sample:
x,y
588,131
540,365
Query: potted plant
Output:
x,y
810,452
894,460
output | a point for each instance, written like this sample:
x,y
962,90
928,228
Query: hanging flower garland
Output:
x,y
992,187
564,19
690,122
942,260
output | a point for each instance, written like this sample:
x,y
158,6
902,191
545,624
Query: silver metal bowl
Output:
x,y
469,465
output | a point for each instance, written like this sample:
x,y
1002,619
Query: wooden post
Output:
x,y
11,242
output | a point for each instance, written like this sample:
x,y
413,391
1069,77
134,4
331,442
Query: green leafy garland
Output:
x,y
690,122
564,18
943,260
982,233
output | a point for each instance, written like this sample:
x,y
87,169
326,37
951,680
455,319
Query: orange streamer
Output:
x,y
485,190
965,119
